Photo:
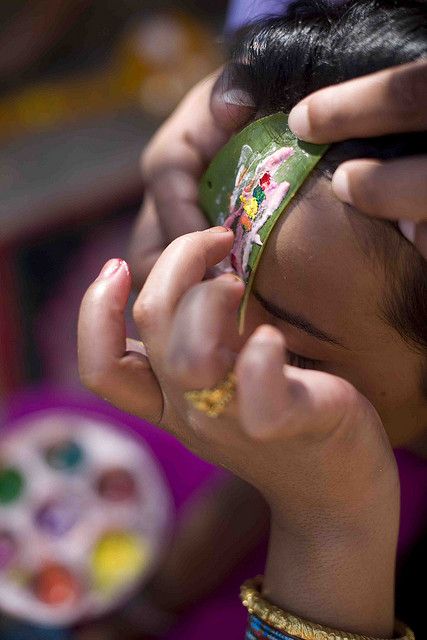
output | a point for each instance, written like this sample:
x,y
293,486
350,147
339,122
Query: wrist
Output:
x,y
273,623
340,581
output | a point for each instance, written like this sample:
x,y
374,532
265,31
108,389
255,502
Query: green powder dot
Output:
x,y
258,194
11,485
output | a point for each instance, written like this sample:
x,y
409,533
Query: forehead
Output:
x,y
315,265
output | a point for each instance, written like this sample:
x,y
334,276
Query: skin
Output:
x,y
346,304
178,155
315,443
389,101
172,165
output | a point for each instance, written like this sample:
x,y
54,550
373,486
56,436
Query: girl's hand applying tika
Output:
x,y
307,440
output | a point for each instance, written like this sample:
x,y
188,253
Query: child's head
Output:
x,y
352,290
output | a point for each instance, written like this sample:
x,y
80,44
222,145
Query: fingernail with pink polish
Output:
x,y
218,230
111,267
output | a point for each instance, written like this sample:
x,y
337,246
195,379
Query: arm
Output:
x,y
344,583
312,445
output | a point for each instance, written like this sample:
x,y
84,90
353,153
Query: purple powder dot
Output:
x,y
7,549
57,517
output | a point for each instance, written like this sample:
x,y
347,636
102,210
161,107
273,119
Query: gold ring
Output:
x,y
213,402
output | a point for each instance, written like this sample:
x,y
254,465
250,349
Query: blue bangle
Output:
x,y
258,629
268,622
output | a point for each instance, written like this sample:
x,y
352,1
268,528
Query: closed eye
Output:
x,y
295,320
295,360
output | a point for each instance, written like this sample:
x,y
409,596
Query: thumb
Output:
x,y
276,399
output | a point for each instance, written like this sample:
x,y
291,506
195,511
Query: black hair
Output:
x,y
281,60
319,43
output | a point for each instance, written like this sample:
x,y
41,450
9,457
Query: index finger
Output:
x,y
389,101
182,264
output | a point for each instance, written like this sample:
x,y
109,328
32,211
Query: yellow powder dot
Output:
x,y
251,207
117,559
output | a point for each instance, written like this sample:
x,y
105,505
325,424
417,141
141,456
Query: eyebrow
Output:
x,y
296,320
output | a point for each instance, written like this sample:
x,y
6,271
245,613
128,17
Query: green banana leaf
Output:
x,y
245,154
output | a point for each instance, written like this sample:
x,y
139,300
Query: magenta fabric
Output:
x,y
413,498
186,473
225,606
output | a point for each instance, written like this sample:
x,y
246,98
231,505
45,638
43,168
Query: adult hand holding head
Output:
x,y
174,161
386,102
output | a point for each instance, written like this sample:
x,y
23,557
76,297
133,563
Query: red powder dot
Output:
x,y
265,180
55,585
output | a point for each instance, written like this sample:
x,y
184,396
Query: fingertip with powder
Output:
x,y
111,267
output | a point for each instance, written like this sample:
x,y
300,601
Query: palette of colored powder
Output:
x,y
84,516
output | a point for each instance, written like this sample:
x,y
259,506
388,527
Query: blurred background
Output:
x,y
83,85
83,524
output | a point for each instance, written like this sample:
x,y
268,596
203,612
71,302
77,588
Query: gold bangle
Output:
x,y
292,625
213,401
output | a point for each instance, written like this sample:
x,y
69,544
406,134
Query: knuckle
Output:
x,y
192,245
179,366
194,367
346,401
148,160
211,295
364,186
407,89
346,393
145,313
185,243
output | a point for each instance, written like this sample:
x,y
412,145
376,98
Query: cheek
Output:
x,y
375,381
385,393
391,386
